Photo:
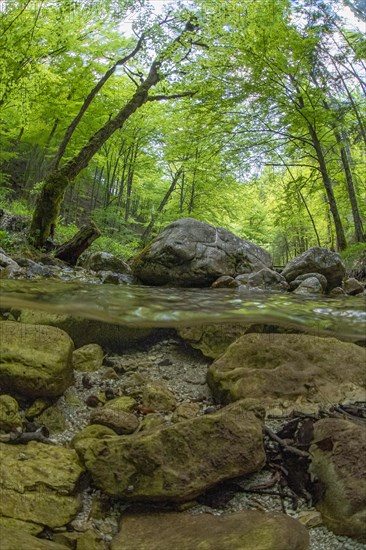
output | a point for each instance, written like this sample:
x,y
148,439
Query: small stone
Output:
x,y
124,403
157,396
10,418
88,358
92,401
37,407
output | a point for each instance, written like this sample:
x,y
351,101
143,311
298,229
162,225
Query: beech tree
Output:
x,y
56,182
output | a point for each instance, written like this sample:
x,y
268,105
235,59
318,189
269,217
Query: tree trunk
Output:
x,y
359,236
70,251
341,238
55,184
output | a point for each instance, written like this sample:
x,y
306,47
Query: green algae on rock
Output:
x,y
283,372
179,461
338,460
16,539
246,530
38,483
10,418
88,358
35,360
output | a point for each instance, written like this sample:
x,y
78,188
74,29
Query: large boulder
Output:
x,y
192,253
338,460
35,360
38,483
318,260
285,372
179,461
245,530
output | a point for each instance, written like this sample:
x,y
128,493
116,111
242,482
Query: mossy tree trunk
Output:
x,y
55,184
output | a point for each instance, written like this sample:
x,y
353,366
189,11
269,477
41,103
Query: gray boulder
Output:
x,y
318,260
189,252
310,285
296,282
103,261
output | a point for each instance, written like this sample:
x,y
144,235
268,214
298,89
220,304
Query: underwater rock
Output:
x,y
35,360
338,454
283,372
212,340
318,260
157,396
245,530
13,538
192,253
38,483
88,358
179,461
119,421
10,418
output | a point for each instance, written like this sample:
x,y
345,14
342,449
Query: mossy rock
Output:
x,y
212,340
179,461
285,372
16,539
245,530
88,358
35,360
38,483
10,418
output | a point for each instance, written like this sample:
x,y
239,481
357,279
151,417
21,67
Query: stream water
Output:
x,y
142,306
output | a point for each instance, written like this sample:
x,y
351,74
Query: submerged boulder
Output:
x,y
189,252
179,461
245,530
317,260
38,483
285,372
35,360
338,454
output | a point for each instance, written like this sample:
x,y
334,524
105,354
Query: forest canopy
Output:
x,y
246,114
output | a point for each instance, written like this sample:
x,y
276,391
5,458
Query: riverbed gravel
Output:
x,y
183,370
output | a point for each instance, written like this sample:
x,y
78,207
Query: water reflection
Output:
x,y
142,306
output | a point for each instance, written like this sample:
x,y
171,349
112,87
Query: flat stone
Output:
x,y
246,530
286,372
338,460
38,483
35,360
179,461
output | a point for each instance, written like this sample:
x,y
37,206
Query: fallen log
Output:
x,y
70,251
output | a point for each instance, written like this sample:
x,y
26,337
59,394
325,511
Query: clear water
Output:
x,y
142,306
